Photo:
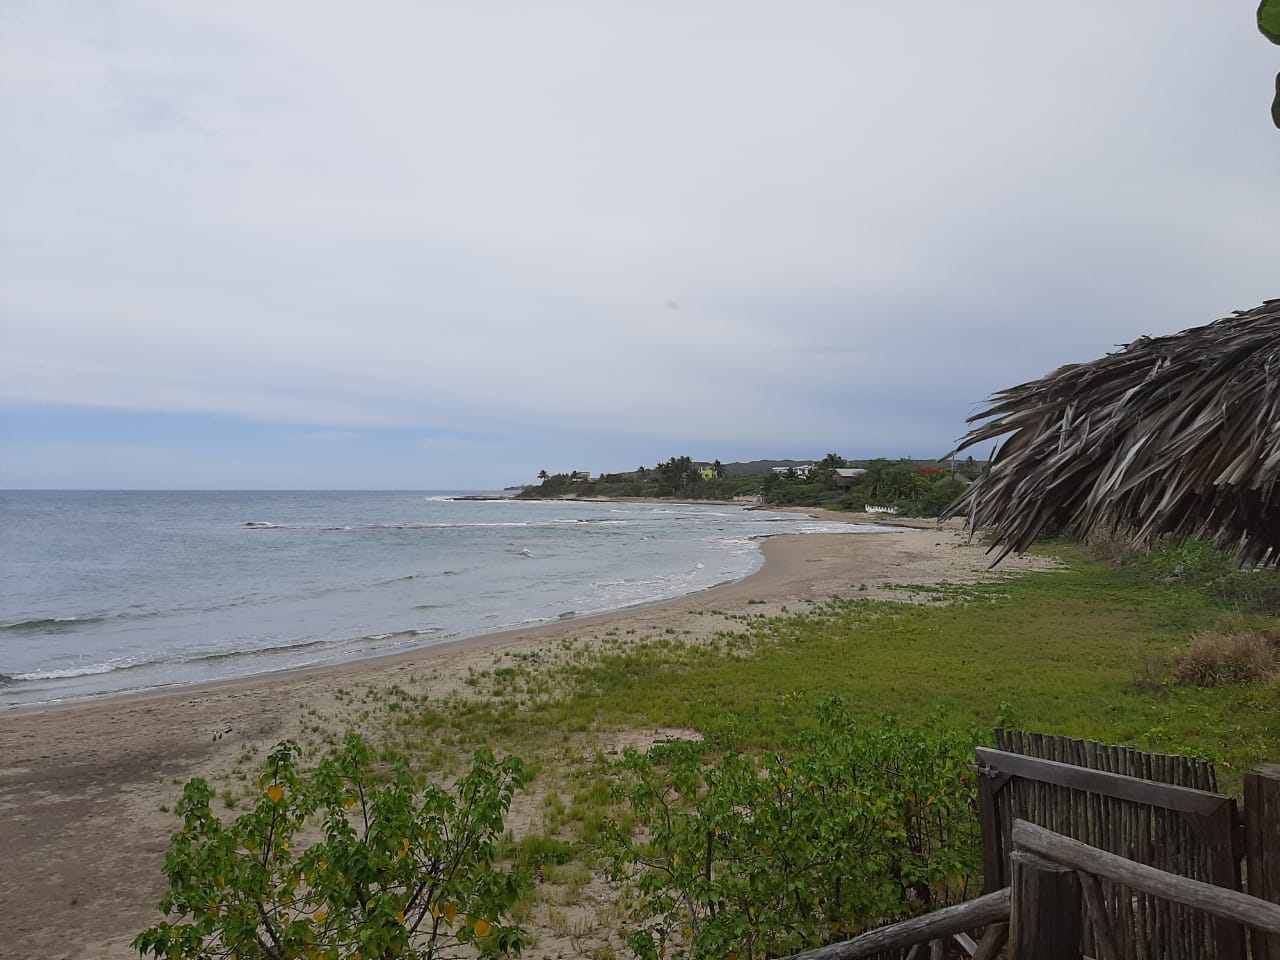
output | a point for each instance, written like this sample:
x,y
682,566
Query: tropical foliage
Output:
x,y
915,488
752,857
396,870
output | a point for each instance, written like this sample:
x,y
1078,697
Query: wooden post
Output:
x,y
992,847
1262,848
1045,921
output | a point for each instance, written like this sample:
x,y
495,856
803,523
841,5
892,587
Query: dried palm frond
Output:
x,y
1176,435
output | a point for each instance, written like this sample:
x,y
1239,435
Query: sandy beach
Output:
x,y
81,785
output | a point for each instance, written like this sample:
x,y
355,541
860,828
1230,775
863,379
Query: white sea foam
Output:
x,y
341,576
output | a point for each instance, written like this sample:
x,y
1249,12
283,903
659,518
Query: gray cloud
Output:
x,y
474,216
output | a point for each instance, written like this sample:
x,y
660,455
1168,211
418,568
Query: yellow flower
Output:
x,y
451,912
275,793
400,917
320,916
349,802
482,928
675,859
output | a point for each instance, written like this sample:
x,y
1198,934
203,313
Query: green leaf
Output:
x,y
1269,20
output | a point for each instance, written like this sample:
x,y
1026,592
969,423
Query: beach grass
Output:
x,y
1085,650
1081,651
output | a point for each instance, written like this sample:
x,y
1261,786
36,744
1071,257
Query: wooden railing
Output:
x,y
1056,882
1157,809
1082,855
1056,885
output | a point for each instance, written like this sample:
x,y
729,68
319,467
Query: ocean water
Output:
x,y
107,591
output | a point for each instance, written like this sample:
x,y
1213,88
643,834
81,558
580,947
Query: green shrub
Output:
x,y
1195,563
759,857
396,870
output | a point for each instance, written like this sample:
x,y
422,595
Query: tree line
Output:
x,y
915,488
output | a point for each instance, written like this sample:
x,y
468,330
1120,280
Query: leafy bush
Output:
x,y
754,857
396,870
1242,656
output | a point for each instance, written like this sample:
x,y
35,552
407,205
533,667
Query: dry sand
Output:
x,y
81,785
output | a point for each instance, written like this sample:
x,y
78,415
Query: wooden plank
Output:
x,y
1104,939
1262,848
1219,901
993,941
991,908
1045,920
1119,786
1225,872
992,841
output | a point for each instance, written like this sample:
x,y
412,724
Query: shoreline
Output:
x,y
82,783
354,662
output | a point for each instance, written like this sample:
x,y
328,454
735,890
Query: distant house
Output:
x,y
847,476
704,469
801,470
580,475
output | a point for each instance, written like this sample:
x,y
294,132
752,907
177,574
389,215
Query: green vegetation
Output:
x,y
402,870
764,856
1084,651
784,716
915,488
1269,26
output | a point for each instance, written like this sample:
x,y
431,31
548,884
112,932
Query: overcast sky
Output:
x,y
445,245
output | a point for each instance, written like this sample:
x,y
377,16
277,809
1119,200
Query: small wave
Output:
x,y
68,673
216,656
44,624
408,525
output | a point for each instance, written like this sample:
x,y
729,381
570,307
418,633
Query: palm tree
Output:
x,y
542,474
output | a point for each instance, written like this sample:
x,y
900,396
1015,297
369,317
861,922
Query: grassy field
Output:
x,y
1085,651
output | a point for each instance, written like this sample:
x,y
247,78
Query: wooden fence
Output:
x,y
1067,898
1057,884
1154,809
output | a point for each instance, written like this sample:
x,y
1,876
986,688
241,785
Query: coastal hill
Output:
x,y
910,487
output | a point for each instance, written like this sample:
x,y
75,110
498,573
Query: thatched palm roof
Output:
x,y
1177,435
